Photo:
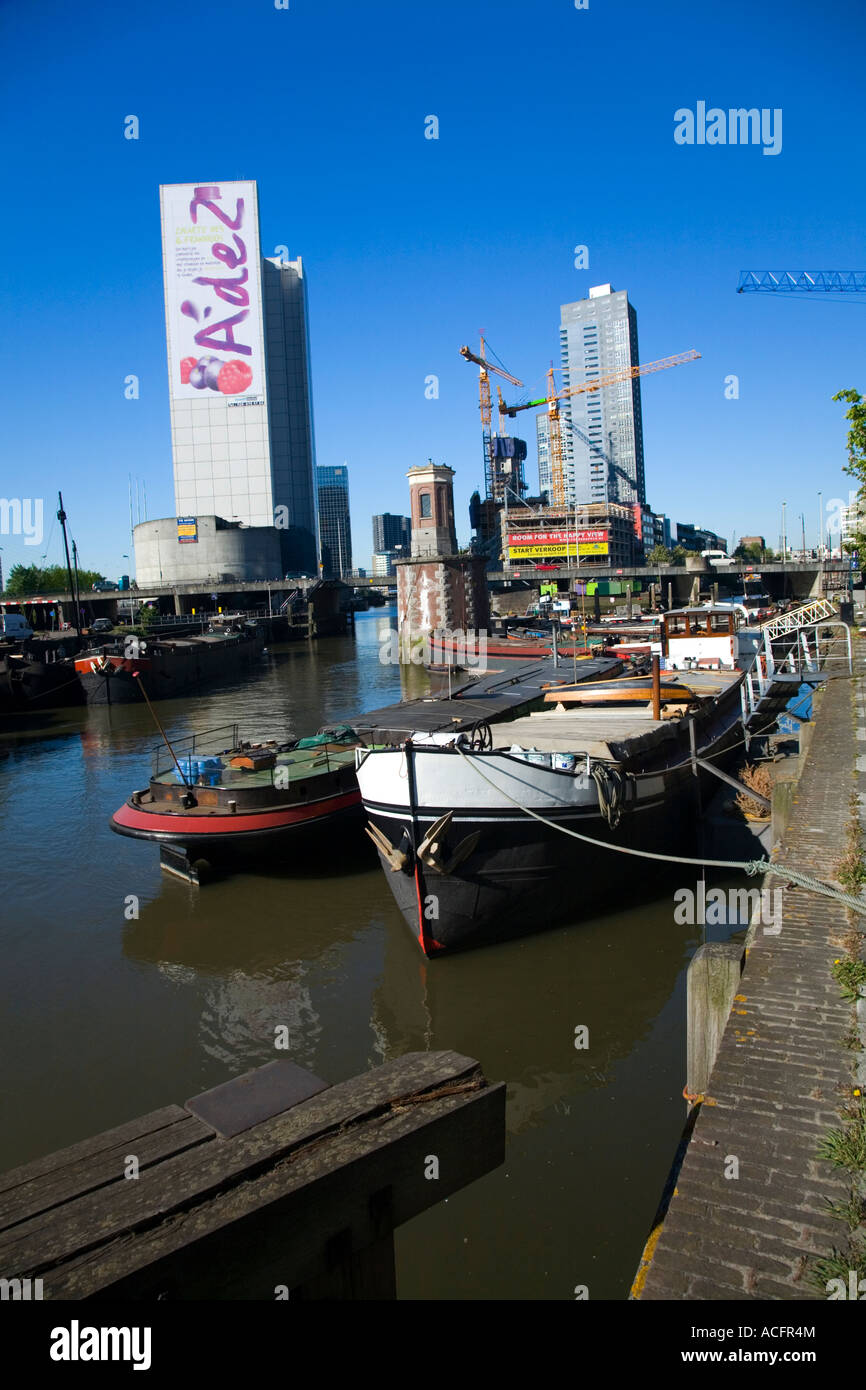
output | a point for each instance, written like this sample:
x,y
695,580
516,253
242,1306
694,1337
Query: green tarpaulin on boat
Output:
x,y
341,733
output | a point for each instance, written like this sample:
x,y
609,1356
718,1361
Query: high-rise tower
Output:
x,y
335,525
602,431
238,363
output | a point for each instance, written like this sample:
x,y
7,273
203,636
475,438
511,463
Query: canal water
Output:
x,y
107,1015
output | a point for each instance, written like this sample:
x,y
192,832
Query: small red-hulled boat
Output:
x,y
216,802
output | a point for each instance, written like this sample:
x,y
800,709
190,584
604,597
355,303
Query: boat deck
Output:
x,y
293,766
490,698
592,730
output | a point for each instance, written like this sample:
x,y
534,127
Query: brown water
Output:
x,y
105,1016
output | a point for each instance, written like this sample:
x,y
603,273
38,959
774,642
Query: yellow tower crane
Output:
x,y
484,394
553,397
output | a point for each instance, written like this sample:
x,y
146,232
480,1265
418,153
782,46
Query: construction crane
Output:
x,y
553,397
484,395
845,282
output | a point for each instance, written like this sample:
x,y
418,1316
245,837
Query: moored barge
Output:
x,y
470,828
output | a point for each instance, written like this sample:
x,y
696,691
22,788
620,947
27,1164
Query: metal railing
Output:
x,y
796,618
213,742
162,760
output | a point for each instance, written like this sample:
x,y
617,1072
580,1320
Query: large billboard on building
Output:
x,y
542,545
213,291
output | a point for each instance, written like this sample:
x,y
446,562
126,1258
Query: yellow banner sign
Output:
x,y
555,552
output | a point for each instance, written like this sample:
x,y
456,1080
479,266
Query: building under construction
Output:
x,y
597,535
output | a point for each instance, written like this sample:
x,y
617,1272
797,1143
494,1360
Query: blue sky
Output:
x,y
556,130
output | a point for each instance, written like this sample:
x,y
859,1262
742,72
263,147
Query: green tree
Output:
x,y
31,579
23,579
856,465
659,555
679,555
147,616
749,552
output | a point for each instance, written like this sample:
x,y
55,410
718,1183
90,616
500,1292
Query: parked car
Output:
x,y
102,625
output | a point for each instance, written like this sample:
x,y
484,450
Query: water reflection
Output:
x,y
106,1015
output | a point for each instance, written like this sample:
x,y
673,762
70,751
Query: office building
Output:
x,y
239,371
542,439
335,525
697,538
391,533
602,433
385,562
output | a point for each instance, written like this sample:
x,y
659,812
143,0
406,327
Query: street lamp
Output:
x,y
820,526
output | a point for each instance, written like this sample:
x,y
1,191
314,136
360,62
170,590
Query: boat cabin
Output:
x,y
700,639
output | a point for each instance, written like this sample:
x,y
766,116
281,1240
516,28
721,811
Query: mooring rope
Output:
x,y
752,867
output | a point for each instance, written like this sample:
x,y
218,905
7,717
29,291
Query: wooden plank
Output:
x,y
87,1174
86,1148
50,1237
296,1212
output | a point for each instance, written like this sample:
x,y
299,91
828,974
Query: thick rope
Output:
x,y
752,867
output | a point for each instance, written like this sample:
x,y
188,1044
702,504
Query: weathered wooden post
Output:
x,y
656,687
711,983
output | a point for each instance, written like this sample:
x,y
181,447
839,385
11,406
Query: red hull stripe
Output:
x,y
135,819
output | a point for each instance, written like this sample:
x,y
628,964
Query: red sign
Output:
x,y
555,537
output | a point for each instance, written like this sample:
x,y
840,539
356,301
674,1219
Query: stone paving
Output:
x,y
782,1070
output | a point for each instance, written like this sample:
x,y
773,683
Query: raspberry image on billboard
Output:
x,y
234,377
228,377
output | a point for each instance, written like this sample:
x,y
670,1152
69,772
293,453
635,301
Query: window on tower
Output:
x,y
425,504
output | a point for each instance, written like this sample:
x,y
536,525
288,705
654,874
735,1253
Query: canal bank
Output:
x,y
127,990
750,1209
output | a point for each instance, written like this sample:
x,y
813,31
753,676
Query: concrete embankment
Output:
x,y
750,1212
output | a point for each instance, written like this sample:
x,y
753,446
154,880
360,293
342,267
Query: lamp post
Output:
x,y
820,526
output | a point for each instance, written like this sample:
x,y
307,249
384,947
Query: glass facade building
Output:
x,y
335,526
602,431
542,435
391,531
